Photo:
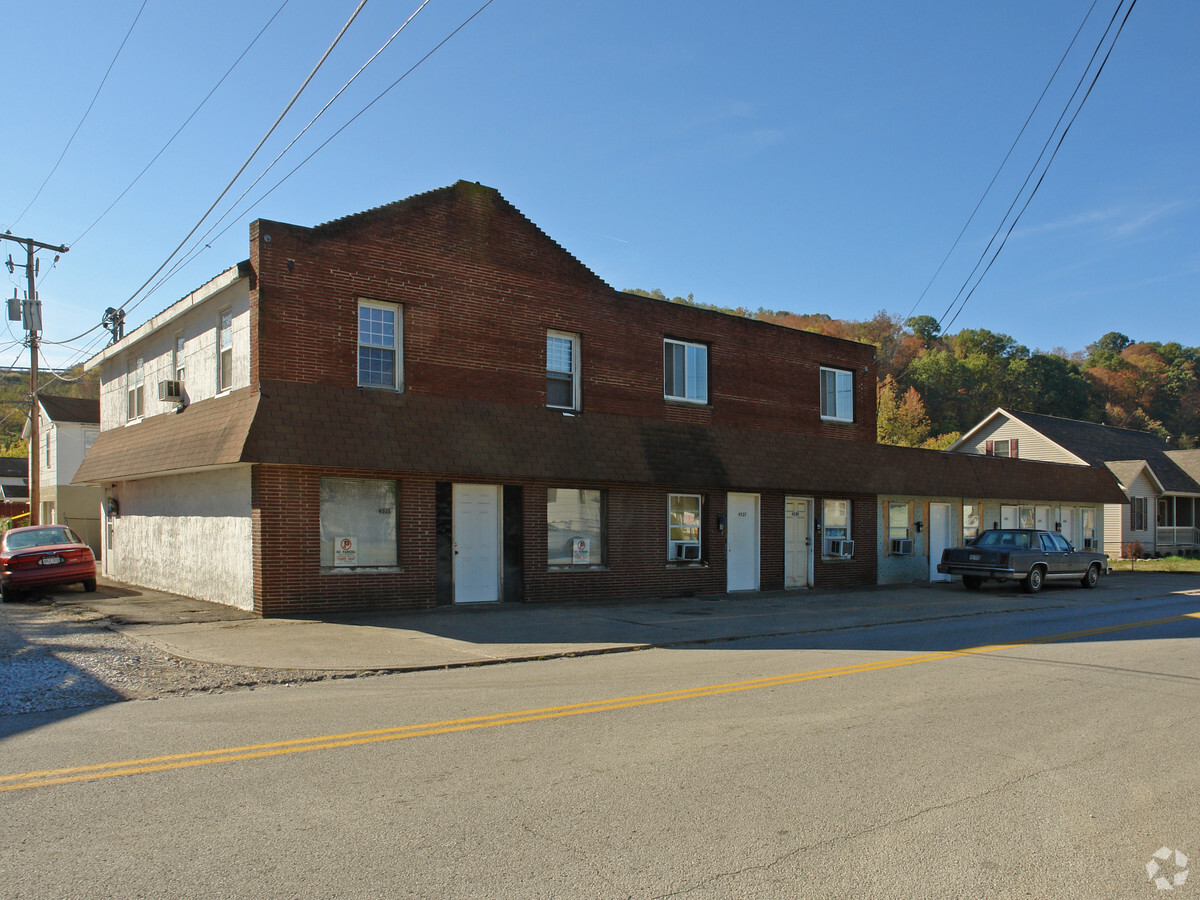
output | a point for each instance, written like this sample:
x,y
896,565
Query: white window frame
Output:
x,y
841,377
135,406
1002,448
555,370
694,375
679,548
224,350
396,348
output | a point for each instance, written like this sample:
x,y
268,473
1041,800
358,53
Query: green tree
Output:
x,y
900,421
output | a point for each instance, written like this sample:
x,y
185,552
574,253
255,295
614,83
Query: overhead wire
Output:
x,y
1050,161
95,97
200,245
186,122
241,169
1037,104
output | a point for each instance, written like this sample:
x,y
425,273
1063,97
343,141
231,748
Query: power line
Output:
x,y
199,247
71,139
1004,161
1036,163
253,153
1062,138
186,122
238,174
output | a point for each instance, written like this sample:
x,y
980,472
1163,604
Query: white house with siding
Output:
x,y
1161,484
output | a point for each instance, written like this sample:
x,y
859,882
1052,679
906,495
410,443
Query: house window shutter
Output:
x,y
1012,448
989,448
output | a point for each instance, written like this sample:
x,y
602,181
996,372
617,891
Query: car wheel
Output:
x,y
972,582
1032,583
1091,577
89,585
7,595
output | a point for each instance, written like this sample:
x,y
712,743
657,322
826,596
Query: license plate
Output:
x,y
50,561
975,557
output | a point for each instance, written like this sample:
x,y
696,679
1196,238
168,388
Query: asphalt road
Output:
x,y
1047,754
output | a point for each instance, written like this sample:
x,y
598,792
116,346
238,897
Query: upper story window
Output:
x,y
380,339
1004,449
135,391
562,370
47,441
178,359
837,395
685,371
225,351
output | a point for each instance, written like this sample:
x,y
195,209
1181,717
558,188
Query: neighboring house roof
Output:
x,y
1099,445
14,492
1188,460
14,467
82,410
291,424
1127,471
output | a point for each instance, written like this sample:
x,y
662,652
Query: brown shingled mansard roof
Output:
x,y
293,424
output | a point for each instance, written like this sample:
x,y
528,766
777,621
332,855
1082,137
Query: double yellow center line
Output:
x,y
357,738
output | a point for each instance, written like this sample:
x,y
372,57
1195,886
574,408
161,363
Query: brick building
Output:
x,y
433,402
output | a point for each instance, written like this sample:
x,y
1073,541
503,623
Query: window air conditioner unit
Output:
x,y
841,547
683,550
170,390
902,546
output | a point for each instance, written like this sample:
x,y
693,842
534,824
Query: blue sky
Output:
x,y
804,156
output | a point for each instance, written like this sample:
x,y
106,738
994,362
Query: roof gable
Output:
x,y
82,410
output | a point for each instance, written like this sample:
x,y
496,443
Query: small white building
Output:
x,y
67,428
1161,484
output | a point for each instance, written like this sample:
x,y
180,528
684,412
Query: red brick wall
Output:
x,y
289,579
481,285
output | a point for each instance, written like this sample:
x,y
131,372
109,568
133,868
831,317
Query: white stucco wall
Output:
x,y
189,534
197,319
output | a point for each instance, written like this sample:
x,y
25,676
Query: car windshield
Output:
x,y
23,540
1018,540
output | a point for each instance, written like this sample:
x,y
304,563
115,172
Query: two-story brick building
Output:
x,y
433,402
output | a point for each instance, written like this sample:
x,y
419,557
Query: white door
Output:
x,y
1008,517
476,543
1042,518
741,545
1067,515
796,542
939,538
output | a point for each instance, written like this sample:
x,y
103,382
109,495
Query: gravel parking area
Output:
x,y
67,656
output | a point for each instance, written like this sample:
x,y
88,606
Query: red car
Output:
x,y
42,555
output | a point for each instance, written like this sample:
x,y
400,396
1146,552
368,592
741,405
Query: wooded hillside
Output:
x,y
933,386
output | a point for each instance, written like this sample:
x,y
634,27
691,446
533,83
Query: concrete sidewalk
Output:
x,y
466,636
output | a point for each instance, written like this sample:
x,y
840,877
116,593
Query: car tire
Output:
x,y
7,595
89,585
1092,577
1032,583
972,582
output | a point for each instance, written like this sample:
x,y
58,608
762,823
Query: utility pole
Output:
x,y
31,316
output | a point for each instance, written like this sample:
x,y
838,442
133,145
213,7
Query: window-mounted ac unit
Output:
x,y
902,546
682,550
170,390
840,547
